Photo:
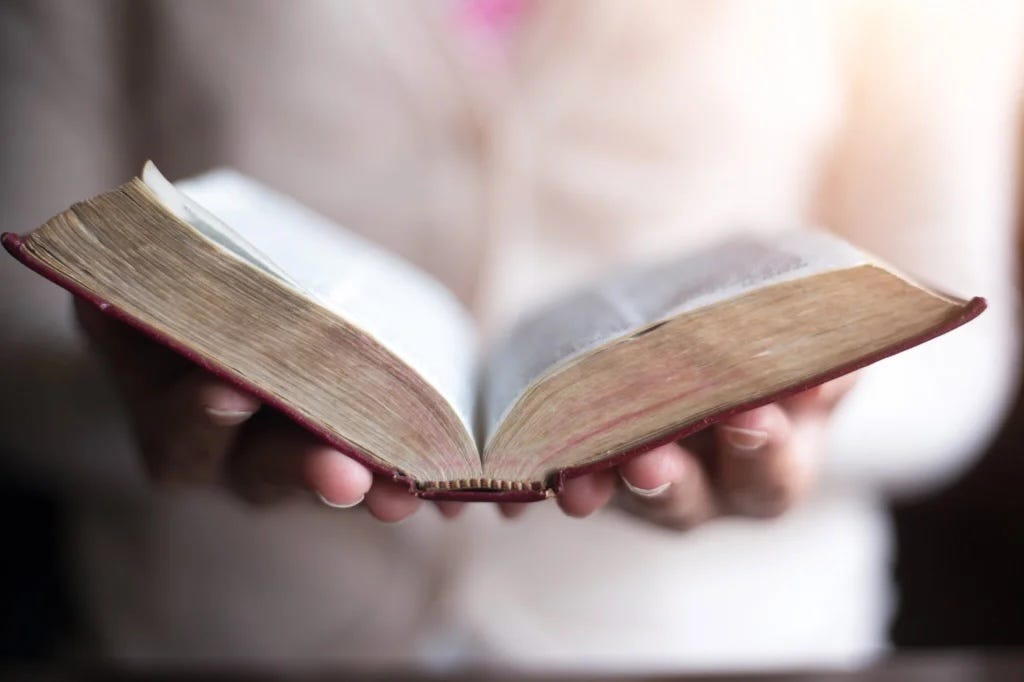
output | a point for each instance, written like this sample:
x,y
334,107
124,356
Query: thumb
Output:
x,y
187,430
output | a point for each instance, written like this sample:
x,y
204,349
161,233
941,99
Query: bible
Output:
x,y
382,362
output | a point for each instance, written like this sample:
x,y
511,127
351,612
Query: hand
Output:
x,y
756,464
194,428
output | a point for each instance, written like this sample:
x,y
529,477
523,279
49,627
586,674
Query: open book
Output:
x,y
381,361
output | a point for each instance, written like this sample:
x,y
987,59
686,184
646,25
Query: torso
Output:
x,y
510,180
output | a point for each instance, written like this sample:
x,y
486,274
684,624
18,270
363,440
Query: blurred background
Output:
x,y
958,551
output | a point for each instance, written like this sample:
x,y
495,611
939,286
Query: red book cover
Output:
x,y
15,246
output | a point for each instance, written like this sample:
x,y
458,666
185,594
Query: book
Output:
x,y
382,362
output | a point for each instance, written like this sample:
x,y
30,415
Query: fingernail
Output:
x,y
646,492
744,439
227,417
337,505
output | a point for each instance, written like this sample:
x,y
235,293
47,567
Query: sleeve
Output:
x,y
924,174
66,136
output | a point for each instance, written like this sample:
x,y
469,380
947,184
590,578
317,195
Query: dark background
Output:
x,y
959,565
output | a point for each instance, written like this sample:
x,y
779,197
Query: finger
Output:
x,y
584,495
449,509
390,502
765,465
686,502
651,473
186,431
186,420
512,510
823,397
338,480
275,458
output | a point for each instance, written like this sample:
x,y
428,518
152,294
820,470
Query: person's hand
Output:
x,y
756,464
195,429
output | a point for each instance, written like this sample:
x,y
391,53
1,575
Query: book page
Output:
x,y
632,301
406,310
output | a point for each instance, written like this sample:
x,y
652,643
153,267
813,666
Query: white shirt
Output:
x,y
611,134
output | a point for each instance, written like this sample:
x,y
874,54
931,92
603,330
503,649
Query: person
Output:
x,y
512,149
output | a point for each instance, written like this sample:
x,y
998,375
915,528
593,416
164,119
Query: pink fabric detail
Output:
x,y
489,24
